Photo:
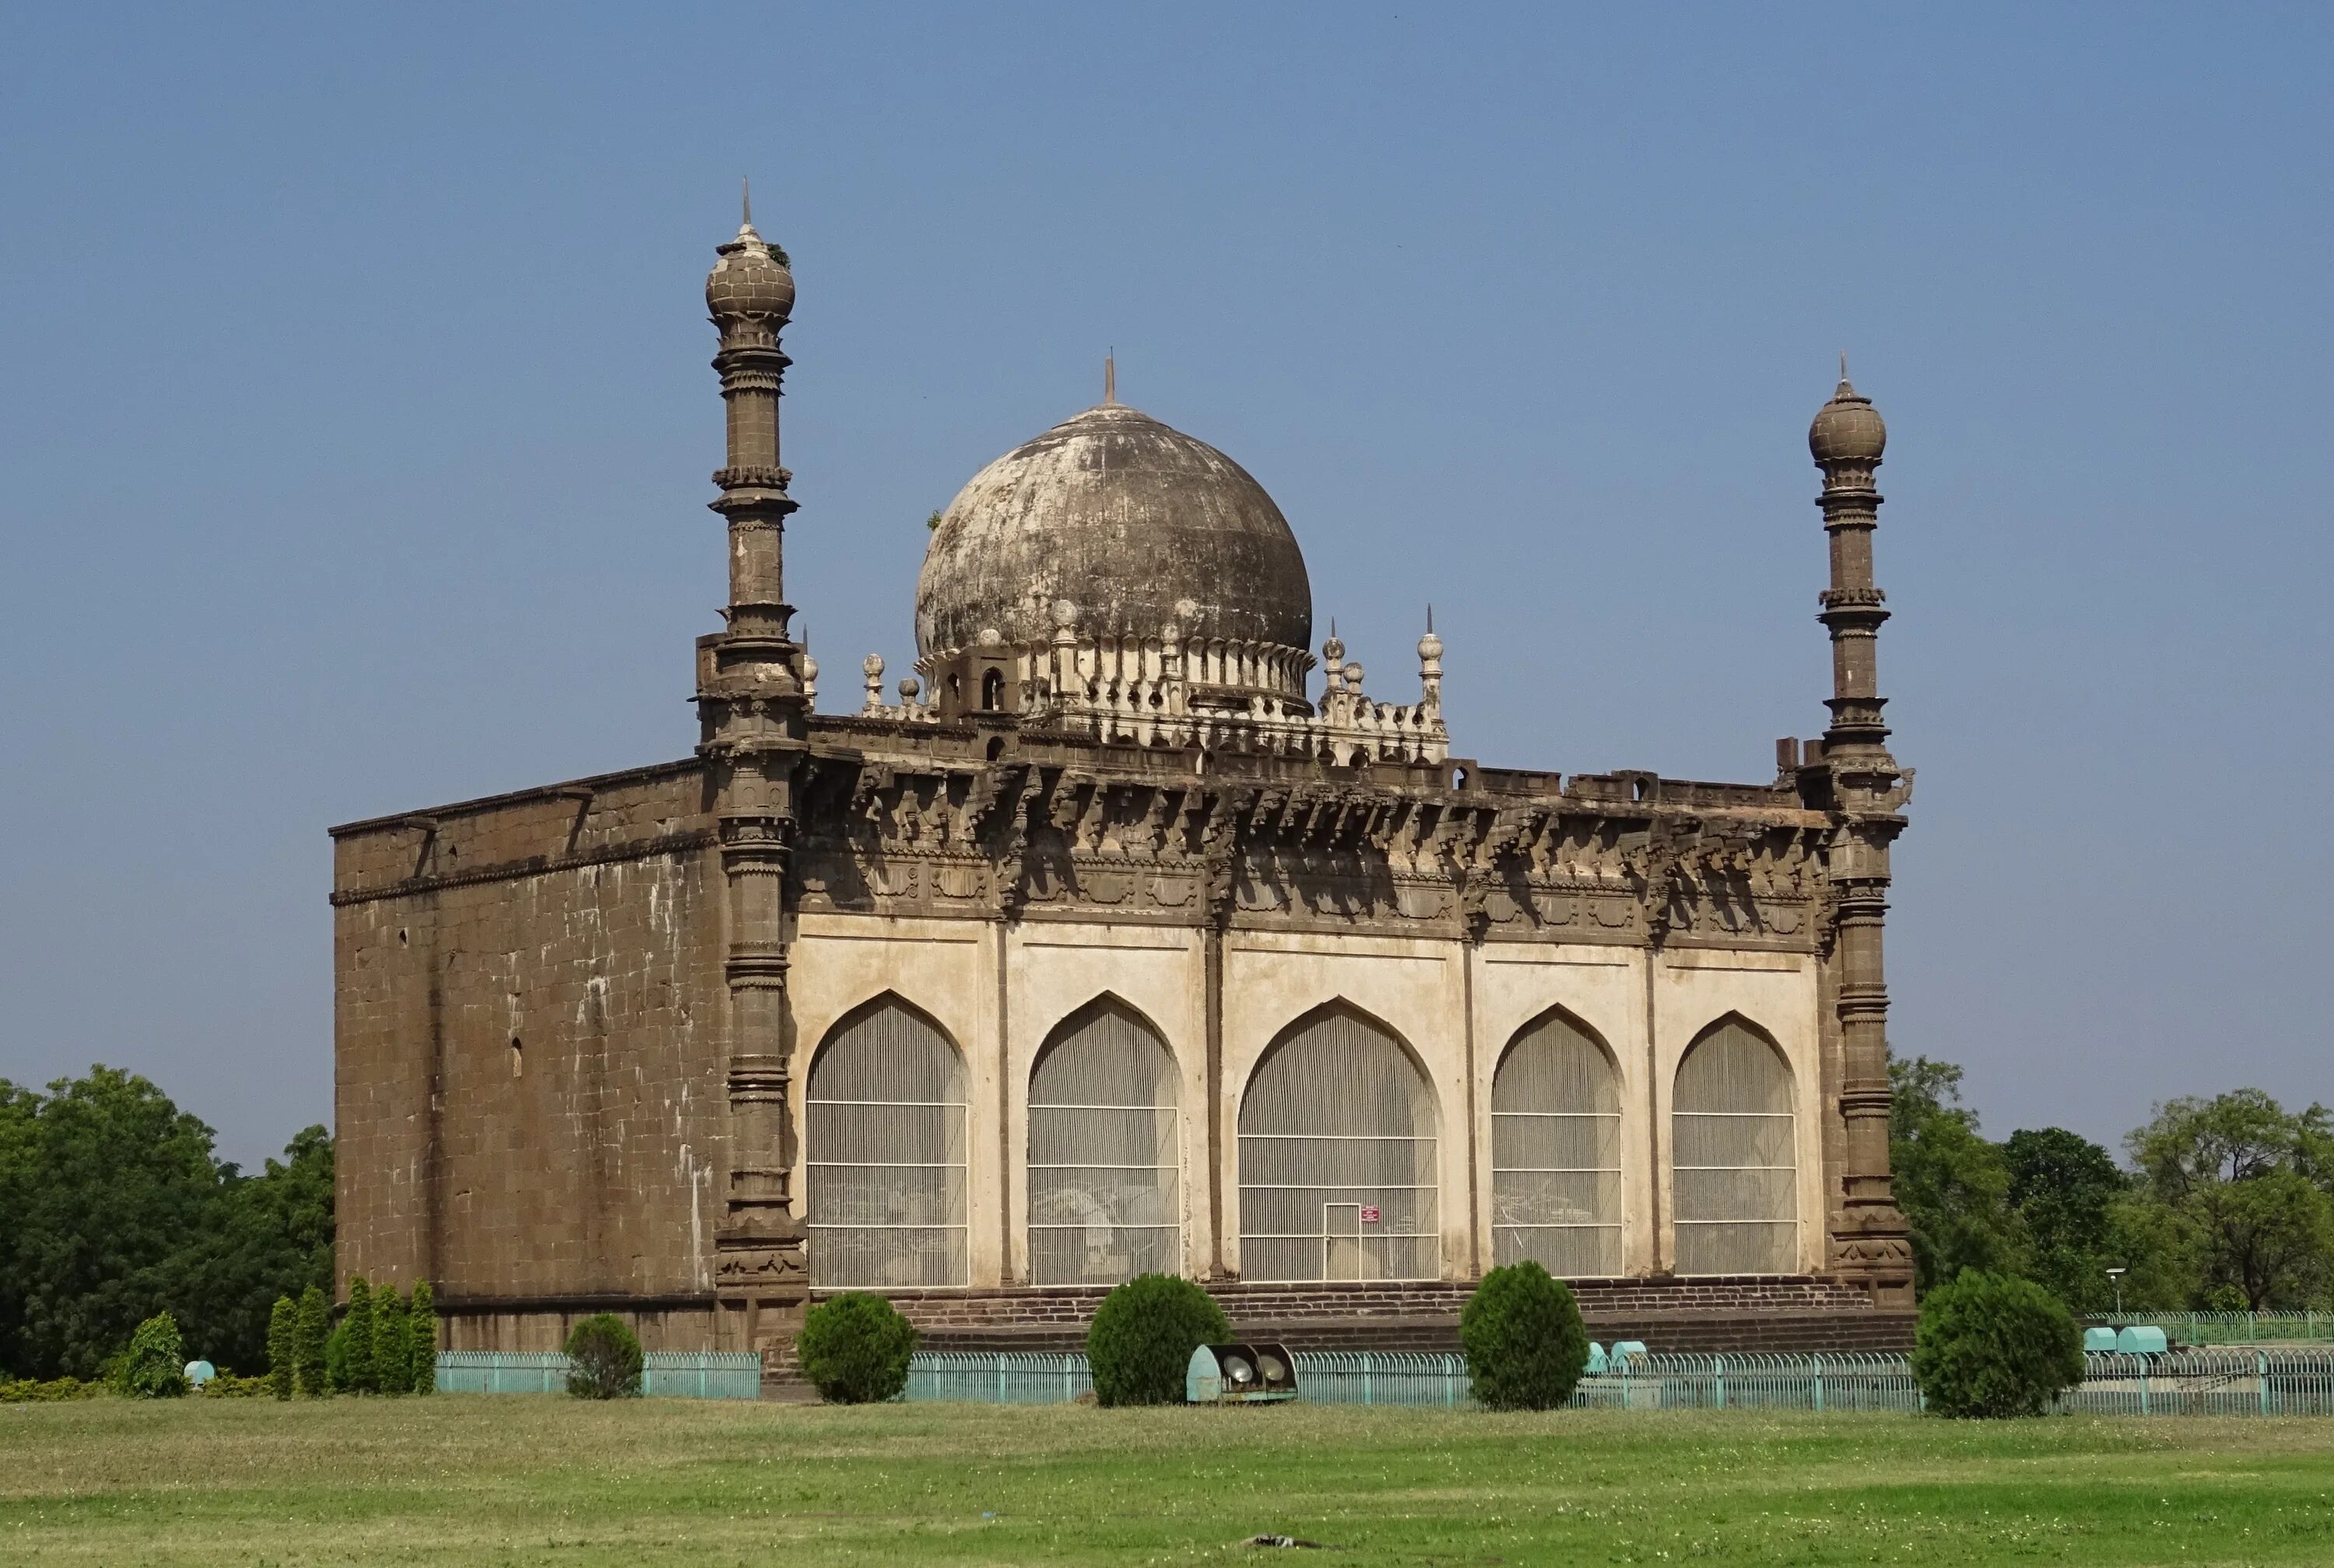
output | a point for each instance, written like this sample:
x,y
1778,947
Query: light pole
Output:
x,y
2117,1275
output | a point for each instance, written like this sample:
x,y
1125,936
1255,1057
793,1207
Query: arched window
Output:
x,y
1734,1148
992,691
1556,1152
884,1141
1336,1157
1103,1201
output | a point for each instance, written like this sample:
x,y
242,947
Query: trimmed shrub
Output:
x,y
392,1350
1989,1345
1141,1342
1525,1342
156,1366
357,1374
282,1347
228,1386
603,1358
313,1328
421,1319
26,1391
855,1349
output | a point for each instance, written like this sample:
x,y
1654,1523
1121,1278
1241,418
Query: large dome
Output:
x,y
1125,519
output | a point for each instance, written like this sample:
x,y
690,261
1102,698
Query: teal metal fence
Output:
x,y
999,1376
2222,1382
2231,1328
664,1374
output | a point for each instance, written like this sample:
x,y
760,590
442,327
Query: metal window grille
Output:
x,y
884,1142
1338,1158
1555,1153
1104,1163
1733,1152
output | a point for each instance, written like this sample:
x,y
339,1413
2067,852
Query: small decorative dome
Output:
x,y
750,279
1848,429
1126,525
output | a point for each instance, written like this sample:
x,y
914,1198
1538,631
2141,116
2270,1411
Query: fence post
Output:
x,y
2143,1385
1367,1363
1721,1362
1819,1382
2260,1370
1000,1377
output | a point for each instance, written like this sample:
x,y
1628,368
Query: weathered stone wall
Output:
x,y
527,1029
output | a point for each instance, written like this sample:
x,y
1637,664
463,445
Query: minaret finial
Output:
x,y
1843,364
1110,376
1430,618
745,201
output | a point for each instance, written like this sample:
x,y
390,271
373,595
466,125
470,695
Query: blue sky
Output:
x,y
356,421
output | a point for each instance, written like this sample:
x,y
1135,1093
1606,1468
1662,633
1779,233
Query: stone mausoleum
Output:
x,y
1129,933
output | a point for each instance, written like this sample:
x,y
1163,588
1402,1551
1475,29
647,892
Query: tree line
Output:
x,y
115,1208
2224,1204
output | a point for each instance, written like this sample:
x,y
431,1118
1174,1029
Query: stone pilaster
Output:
x,y
1863,789
752,703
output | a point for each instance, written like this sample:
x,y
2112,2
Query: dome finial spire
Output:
x,y
1110,376
745,203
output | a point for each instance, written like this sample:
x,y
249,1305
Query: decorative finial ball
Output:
x,y
1848,429
1065,614
1187,609
1332,652
991,638
1354,676
872,667
908,690
1430,647
750,280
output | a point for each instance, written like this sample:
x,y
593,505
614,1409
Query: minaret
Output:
x,y
1864,788
751,705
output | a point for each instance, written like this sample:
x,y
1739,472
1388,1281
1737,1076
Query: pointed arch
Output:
x,y
1556,1150
884,1146
1104,1155
1337,1154
1735,1153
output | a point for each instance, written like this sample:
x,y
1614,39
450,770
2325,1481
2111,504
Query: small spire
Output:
x,y
1429,617
1110,376
745,201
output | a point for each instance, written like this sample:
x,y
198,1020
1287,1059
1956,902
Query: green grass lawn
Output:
x,y
540,1479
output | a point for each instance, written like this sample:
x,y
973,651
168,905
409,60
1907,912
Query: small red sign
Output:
x,y
1370,1214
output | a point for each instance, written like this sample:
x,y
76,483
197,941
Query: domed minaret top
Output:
x,y
751,280
1848,429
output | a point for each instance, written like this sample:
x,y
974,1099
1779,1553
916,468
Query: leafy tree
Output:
x,y
1952,1186
2063,1188
357,1371
393,1346
114,1208
2244,1177
113,1184
2269,1237
421,1317
316,1326
282,1347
